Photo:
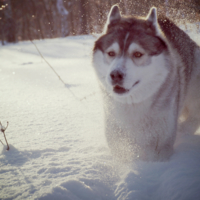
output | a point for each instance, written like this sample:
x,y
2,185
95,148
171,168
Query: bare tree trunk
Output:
x,y
9,23
49,17
2,23
126,7
23,28
72,27
28,28
64,16
37,21
83,30
166,7
89,17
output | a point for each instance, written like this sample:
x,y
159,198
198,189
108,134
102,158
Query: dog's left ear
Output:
x,y
152,19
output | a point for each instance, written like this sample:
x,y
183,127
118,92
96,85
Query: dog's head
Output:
x,y
129,57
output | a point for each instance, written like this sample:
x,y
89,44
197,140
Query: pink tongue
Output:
x,y
119,90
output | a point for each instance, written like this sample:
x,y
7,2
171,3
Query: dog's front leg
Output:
x,y
159,135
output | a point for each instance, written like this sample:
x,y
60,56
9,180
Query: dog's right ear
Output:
x,y
114,15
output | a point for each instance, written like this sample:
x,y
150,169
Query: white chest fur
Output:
x,y
138,129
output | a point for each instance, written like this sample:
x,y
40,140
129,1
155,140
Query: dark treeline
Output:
x,y
39,19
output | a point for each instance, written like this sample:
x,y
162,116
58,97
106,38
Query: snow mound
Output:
x,y
56,133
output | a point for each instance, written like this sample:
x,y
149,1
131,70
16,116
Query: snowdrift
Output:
x,y
56,133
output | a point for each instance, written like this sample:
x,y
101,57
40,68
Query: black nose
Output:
x,y
117,76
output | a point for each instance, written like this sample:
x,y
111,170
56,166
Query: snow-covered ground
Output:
x,y
57,145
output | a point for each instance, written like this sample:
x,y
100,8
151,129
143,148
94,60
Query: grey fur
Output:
x,y
148,128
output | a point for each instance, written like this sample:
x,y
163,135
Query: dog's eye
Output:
x,y
137,54
111,53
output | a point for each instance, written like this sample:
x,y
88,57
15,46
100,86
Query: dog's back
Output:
x,y
181,42
189,73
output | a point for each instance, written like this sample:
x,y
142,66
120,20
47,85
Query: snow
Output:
x,y
56,133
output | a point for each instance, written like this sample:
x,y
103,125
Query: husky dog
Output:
x,y
149,74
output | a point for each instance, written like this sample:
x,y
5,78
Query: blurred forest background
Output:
x,y
39,19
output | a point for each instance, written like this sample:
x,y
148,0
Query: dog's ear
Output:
x,y
152,20
114,14
152,16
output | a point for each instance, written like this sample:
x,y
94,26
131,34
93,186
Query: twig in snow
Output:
x,y
85,97
66,85
3,129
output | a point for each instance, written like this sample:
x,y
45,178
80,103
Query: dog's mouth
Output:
x,y
120,90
